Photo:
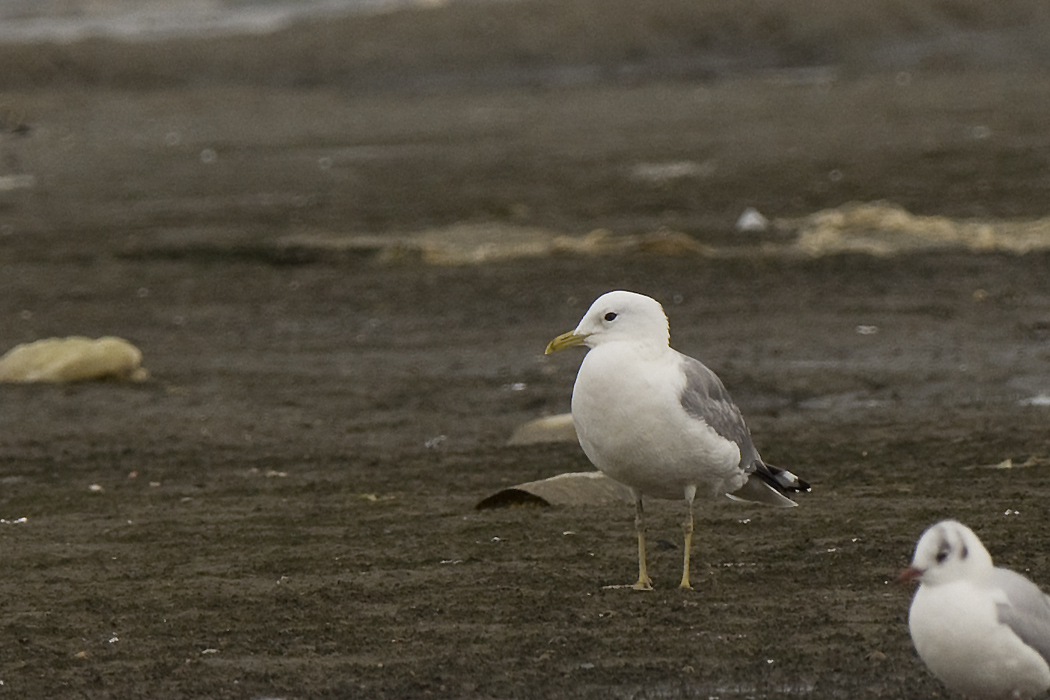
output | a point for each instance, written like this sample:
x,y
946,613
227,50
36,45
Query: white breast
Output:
x,y
628,415
957,634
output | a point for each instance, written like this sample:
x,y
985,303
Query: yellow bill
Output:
x,y
565,340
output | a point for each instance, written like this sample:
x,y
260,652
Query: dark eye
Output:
x,y
943,552
611,316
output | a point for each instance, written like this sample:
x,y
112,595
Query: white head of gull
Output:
x,y
661,422
984,631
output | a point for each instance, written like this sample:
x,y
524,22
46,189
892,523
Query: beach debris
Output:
x,y
1009,463
268,473
73,359
752,221
659,173
435,442
376,498
21,181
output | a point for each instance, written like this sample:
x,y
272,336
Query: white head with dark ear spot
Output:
x,y
949,551
984,631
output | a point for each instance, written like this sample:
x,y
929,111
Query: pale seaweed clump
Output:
x,y
470,244
73,359
884,228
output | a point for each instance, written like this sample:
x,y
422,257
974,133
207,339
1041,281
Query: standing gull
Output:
x,y
661,422
983,630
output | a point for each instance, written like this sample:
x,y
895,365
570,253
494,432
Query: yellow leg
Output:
x,y
644,582
687,528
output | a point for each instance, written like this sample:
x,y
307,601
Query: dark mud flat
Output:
x,y
286,509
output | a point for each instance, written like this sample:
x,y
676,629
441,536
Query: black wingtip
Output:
x,y
782,480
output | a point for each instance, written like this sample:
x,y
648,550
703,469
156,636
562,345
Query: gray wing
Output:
x,y
706,398
1027,611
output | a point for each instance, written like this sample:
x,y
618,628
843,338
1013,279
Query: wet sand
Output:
x,y
286,509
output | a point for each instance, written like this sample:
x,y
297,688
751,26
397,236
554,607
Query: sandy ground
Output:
x,y
286,509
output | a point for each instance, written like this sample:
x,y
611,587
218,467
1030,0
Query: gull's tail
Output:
x,y
769,485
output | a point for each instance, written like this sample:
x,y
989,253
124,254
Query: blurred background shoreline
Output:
x,y
390,44
568,115
67,21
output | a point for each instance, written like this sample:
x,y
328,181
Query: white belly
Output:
x,y
958,635
631,424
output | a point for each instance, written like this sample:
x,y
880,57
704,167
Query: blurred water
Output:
x,y
30,21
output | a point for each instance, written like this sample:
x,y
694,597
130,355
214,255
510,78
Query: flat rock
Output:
x,y
572,489
557,428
